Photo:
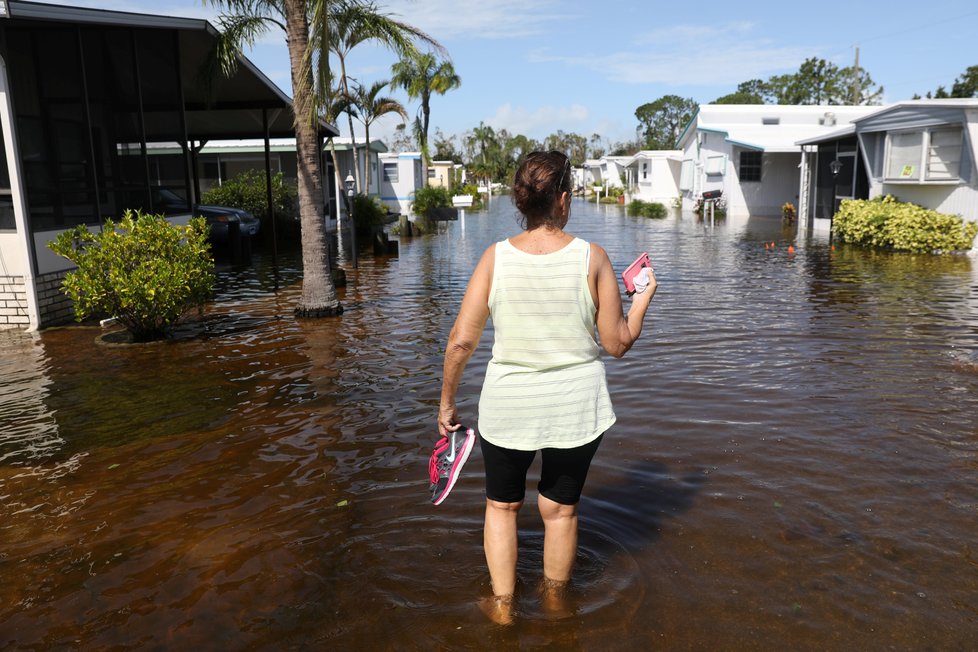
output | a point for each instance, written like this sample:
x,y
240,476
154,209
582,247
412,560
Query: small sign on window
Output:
x,y
907,172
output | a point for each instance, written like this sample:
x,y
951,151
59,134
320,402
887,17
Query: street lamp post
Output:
x,y
350,182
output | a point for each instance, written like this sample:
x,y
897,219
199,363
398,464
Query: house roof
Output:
x,y
216,107
651,154
770,127
911,109
345,144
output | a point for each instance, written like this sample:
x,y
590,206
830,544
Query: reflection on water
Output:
x,y
794,464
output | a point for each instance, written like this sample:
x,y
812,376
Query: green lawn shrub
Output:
x,y
886,222
369,212
430,197
144,271
653,209
247,191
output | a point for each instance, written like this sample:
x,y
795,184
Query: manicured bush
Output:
x,y
247,191
653,210
144,271
886,222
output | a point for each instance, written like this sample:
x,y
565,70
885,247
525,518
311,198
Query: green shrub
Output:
x,y
653,210
886,222
144,271
247,191
368,212
430,197
473,191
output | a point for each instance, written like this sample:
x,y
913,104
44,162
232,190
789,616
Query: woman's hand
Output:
x,y
448,419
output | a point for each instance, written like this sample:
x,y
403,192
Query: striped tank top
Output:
x,y
545,385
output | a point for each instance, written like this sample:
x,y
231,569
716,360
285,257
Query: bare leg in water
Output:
x,y
559,553
500,539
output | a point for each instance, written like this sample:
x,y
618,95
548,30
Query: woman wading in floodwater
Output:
x,y
545,387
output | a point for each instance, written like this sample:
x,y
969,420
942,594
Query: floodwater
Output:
x,y
795,463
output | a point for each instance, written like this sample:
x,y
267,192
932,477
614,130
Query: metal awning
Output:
x,y
219,109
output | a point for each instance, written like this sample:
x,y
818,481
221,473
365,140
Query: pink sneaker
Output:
x,y
447,460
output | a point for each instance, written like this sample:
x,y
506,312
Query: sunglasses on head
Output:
x,y
563,171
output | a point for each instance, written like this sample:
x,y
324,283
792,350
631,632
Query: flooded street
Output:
x,y
795,463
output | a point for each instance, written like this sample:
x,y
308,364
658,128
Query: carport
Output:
x,y
82,92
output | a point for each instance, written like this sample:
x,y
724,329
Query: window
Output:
x,y
924,155
944,154
750,166
390,172
903,163
431,173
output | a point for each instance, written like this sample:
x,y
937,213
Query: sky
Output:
x,y
533,67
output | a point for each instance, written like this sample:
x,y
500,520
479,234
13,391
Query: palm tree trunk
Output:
x,y
426,114
366,163
318,292
353,138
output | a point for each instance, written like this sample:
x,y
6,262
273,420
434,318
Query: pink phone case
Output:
x,y
628,276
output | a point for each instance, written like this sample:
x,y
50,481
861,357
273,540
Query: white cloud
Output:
x,y
540,122
693,66
479,19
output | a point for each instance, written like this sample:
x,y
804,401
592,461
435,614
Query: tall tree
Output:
x,y
857,88
422,75
402,140
352,23
303,22
820,82
445,147
663,120
966,85
370,106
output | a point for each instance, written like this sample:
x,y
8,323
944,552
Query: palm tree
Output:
x,y
307,25
350,26
243,21
370,106
421,75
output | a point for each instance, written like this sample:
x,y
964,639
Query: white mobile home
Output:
x,y
921,151
749,152
654,175
400,178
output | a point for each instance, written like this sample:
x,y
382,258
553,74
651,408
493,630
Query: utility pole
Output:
x,y
856,90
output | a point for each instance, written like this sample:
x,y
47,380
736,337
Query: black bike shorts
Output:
x,y
562,475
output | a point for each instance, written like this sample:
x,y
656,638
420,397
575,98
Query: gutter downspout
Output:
x,y
17,196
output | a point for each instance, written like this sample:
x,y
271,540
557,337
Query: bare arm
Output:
x,y
617,331
464,338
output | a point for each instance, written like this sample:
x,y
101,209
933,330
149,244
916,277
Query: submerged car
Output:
x,y
218,218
